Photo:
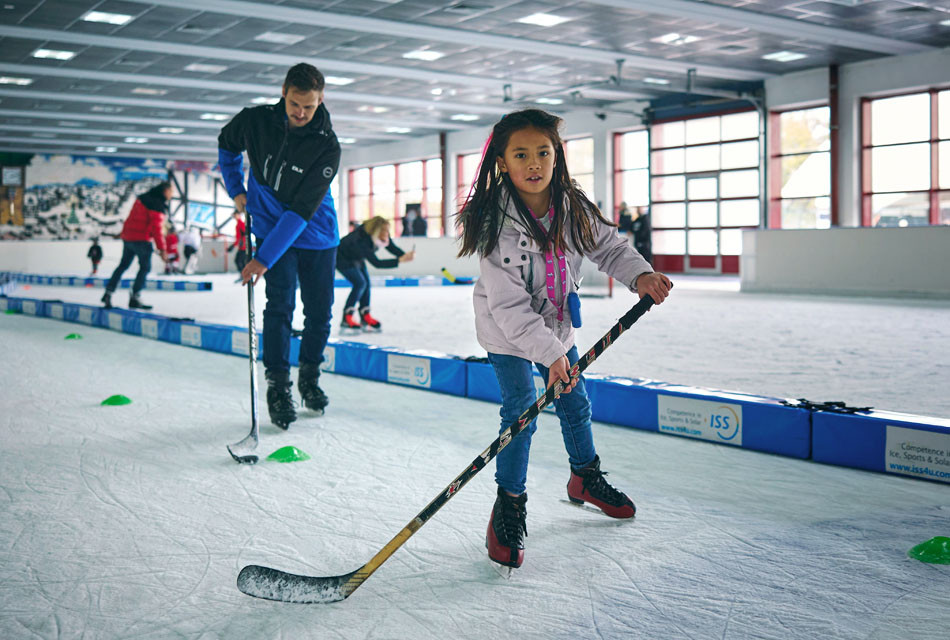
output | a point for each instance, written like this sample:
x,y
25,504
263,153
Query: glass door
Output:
x,y
702,224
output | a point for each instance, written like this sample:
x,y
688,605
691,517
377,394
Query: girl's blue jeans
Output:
x,y
515,377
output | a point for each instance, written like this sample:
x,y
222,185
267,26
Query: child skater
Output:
x,y
95,254
355,248
531,226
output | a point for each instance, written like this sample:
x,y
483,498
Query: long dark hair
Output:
x,y
483,214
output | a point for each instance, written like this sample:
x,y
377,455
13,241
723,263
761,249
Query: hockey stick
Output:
x,y
273,584
243,451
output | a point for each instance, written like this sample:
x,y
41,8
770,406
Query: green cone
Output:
x,y
74,336
116,400
11,312
288,454
935,551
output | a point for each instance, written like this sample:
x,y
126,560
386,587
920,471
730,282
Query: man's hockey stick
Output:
x,y
243,451
273,584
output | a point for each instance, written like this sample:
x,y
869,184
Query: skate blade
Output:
x,y
504,571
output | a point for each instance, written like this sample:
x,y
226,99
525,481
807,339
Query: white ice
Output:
x,y
133,522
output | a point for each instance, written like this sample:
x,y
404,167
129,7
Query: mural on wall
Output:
x,y
80,197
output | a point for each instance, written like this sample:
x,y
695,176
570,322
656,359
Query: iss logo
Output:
x,y
725,421
328,172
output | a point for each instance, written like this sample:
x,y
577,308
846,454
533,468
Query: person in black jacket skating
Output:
x,y
355,249
95,255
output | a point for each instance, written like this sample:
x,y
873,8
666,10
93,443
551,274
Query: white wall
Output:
x,y
900,262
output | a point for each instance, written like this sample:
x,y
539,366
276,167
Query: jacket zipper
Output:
x,y
277,161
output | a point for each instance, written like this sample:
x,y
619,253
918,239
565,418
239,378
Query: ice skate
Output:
x,y
350,325
588,486
135,302
280,401
368,322
310,392
507,528
107,300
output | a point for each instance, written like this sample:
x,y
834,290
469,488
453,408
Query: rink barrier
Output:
x,y
394,281
896,443
124,283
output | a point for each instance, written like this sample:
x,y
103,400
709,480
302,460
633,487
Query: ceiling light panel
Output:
x,y
543,19
198,67
54,54
107,18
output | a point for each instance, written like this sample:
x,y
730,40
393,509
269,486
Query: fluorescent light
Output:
x,y
264,100
372,109
106,108
675,39
136,140
464,117
215,116
108,18
106,149
170,130
149,91
423,54
206,68
784,56
54,54
549,101
945,23
279,38
544,19
339,81
398,129
436,92
656,81
346,140
17,81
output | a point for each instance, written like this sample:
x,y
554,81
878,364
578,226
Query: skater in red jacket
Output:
x,y
144,224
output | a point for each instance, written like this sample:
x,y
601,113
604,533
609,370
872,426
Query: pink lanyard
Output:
x,y
549,271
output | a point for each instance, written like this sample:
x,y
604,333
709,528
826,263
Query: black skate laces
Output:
x,y
597,486
512,522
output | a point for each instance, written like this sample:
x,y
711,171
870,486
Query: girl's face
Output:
x,y
529,162
383,236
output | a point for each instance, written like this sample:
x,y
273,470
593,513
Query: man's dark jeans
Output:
x,y
314,268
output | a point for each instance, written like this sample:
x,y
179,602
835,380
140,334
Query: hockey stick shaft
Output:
x,y
272,584
241,450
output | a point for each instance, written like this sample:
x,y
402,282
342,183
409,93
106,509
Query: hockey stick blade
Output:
x,y
243,451
272,584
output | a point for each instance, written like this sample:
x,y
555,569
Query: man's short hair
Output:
x,y
304,77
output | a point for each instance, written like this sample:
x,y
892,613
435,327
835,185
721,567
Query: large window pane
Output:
x,y
704,242
702,130
359,208
586,183
705,158
580,156
668,134
633,150
434,173
806,213
944,151
635,187
702,188
805,130
669,188
943,115
943,216
740,125
900,119
738,184
739,213
433,201
384,178
668,215
901,168
703,214
385,205
900,209
668,161
361,182
806,175
737,155
669,243
730,242
410,176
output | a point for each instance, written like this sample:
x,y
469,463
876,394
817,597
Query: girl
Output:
x,y
531,226
355,248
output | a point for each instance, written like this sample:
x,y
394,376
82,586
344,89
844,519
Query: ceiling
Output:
x,y
150,80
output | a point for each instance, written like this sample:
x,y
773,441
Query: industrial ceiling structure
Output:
x,y
158,78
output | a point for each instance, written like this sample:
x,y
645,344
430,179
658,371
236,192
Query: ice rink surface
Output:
x,y
133,521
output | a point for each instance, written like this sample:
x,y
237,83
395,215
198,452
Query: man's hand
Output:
x,y
656,285
252,272
240,202
560,371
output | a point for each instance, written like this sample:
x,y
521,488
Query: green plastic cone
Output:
x,y
116,400
288,454
935,551
74,336
11,312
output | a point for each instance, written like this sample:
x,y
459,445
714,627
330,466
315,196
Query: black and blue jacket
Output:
x,y
288,186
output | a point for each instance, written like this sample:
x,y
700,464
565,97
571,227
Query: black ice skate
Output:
x,y
368,321
107,299
280,401
310,392
507,529
136,303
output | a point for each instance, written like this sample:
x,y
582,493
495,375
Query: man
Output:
x,y
146,222
642,232
294,154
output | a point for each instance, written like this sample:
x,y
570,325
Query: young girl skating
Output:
x,y
531,226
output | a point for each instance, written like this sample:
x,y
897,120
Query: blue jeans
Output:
x,y
130,251
517,394
359,278
314,268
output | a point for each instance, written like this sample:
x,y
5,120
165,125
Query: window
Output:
x,y
906,160
385,191
632,169
579,156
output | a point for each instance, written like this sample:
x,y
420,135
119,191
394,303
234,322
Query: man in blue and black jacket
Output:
x,y
293,154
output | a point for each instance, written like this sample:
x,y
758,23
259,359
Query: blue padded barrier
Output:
x,y
125,283
899,443
396,281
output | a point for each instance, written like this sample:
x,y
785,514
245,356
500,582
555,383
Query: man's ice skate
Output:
x,y
310,392
369,322
107,299
350,324
507,528
135,302
280,401
588,485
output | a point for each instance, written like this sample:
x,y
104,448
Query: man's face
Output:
x,y
301,105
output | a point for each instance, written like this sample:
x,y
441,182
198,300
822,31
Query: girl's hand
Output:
x,y
408,256
656,285
560,371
